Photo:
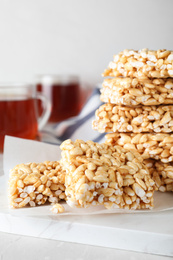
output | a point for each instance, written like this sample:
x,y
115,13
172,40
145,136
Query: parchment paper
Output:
x,y
19,150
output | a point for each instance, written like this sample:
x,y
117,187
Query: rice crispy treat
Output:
x,y
161,173
156,146
112,118
136,91
143,63
100,174
35,183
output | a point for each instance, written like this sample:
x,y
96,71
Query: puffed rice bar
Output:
x,y
133,92
161,173
100,174
142,63
156,146
34,183
111,118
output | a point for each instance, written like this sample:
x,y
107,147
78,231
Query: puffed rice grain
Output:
x,y
57,208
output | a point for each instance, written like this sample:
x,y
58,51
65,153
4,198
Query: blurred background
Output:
x,y
77,37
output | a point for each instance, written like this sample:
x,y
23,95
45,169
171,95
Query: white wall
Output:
x,y
77,36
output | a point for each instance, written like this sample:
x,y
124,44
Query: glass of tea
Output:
x,y
19,111
64,93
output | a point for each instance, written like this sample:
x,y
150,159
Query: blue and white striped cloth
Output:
x,y
79,127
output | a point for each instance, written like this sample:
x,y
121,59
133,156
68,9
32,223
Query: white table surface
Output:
x,y
22,247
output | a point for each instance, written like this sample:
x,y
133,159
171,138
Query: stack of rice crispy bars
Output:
x,y
138,114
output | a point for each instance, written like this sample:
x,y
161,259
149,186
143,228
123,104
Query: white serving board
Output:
x,y
142,232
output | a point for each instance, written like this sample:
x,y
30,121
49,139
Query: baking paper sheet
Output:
x,y
19,150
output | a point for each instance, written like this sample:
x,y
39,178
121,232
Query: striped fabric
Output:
x,y
79,127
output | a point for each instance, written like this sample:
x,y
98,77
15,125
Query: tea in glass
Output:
x,y
19,111
64,93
